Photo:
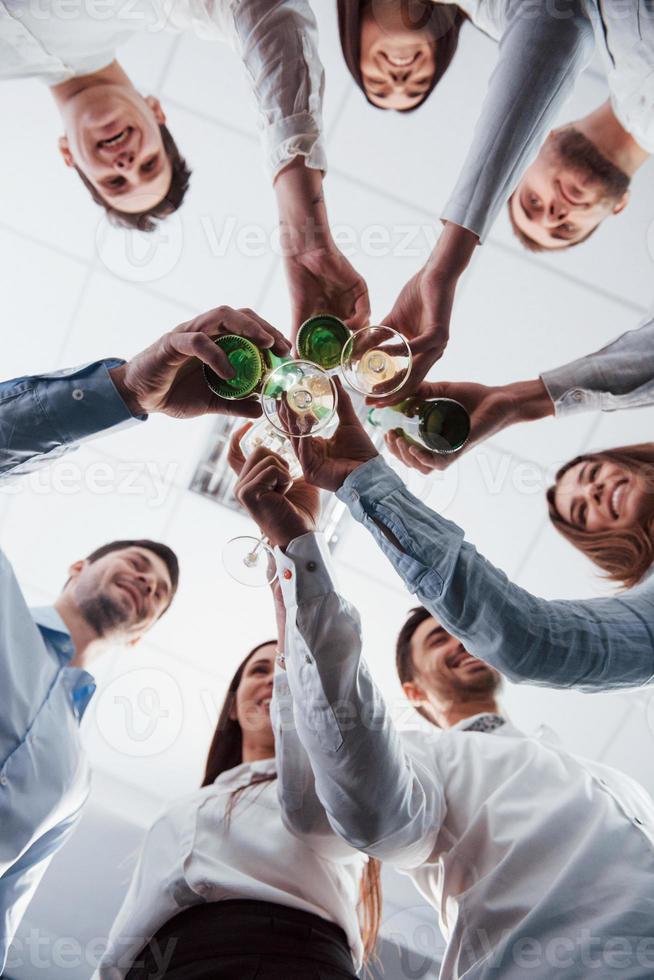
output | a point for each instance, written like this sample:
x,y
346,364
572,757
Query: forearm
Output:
x,y
278,43
43,416
591,645
344,724
302,209
452,253
620,375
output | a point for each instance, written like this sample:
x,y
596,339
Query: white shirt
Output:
x,y
628,30
276,39
189,857
539,864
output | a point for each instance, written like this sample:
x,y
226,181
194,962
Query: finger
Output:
x,y
235,455
405,454
263,460
268,478
420,367
281,345
344,407
200,346
361,316
246,323
243,408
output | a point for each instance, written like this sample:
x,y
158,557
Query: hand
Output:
x,y
327,463
323,281
265,488
297,513
490,409
423,309
167,377
320,278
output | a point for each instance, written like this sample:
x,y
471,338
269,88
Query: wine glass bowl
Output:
x,y
376,361
249,561
301,393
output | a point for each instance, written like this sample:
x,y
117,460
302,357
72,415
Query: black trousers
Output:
x,y
242,940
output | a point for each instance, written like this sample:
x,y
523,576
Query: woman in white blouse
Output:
x,y
229,885
398,50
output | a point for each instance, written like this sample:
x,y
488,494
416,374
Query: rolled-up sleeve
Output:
x,y
43,416
592,644
543,48
620,375
278,43
344,723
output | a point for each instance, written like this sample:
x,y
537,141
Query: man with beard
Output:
x,y
583,171
540,864
113,596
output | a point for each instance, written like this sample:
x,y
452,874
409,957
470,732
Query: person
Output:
x,y
619,376
583,171
118,142
231,881
114,595
538,862
592,645
397,51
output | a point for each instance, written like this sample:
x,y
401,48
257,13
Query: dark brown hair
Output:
x,y
625,554
167,555
406,668
145,220
226,752
442,20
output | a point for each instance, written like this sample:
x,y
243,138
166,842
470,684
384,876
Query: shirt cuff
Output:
x,y
304,569
292,137
566,394
81,402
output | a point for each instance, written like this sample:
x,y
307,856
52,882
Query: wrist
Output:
x,y
529,400
452,253
118,376
302,212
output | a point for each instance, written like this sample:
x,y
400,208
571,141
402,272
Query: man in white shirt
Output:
x,y
540,864
583,171
118,143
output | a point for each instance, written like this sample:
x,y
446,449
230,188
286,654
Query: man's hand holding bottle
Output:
x,y
167,377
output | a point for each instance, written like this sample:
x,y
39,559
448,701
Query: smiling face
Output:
x,y
122,594
113,138
397,61
252,705
598,495
568,190
445,673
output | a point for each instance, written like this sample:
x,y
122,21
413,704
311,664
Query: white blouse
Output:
x,y
190,856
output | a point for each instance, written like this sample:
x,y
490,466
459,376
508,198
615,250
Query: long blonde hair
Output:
x,y
226,752
625,554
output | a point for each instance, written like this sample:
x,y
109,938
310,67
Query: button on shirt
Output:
x,y
276,39
537,863
191,856
44,778
589,644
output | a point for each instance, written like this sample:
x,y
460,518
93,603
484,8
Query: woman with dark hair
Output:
x,y
398,50
230,885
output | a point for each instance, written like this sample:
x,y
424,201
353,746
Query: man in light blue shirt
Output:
x,y
114,595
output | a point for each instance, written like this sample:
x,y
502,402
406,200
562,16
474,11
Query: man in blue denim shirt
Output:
x,y
114,595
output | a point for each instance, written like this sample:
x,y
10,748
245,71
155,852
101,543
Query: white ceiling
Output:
x,y
72,293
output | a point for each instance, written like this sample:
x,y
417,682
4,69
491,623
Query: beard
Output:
x,y
483,682
103,614
576,151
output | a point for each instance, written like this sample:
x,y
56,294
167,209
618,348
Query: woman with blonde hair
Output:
x,y
231,885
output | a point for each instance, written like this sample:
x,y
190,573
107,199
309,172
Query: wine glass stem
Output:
x,y
251,558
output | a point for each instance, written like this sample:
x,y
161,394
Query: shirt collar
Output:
x,y
50,622
486,721
241,775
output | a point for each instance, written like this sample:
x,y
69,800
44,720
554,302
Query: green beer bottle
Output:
x,y
440,425
250,364
321,339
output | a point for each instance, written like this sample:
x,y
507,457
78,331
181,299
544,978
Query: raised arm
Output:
x,y
592,644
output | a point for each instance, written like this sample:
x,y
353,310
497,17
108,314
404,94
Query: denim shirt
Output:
x,y
589,644
44,776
